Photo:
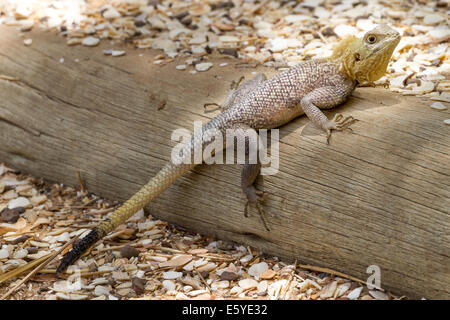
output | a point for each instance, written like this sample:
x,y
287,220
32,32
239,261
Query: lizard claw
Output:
x,y
339,123
219,107
235,84
234,88
255,198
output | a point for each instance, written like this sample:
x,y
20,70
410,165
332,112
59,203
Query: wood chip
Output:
x,y
177,261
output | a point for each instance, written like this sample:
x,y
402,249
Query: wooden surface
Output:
x,y
379,196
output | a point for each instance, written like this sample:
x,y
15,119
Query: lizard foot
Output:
x,y
255,198
233,87
218,107
235,84
339,123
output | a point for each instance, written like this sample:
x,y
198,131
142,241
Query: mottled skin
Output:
x,y
264,104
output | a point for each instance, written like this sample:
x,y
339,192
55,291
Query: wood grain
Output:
x,y
379,196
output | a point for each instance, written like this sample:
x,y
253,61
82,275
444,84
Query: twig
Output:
x,y
115,234
66,272
94,273
81,182
286,288
39,267
58,232
214,258
83,226
13,273
82,273
319,33
203,279
5,77
102,211
336,273
84,206
115,247
164,249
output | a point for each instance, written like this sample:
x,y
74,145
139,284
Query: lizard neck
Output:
x,y
344,56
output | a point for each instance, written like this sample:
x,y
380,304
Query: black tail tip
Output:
x,y
77,250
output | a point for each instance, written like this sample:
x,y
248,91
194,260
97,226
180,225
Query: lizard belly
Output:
x,y
281,116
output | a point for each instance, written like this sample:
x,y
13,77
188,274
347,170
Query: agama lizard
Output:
x,y
264,104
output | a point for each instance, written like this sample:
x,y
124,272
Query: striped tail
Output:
x,y
163,179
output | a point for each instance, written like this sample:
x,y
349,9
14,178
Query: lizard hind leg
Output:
x,y
237,92
250,172
255,197
248,138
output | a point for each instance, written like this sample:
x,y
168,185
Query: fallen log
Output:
x,y
379,196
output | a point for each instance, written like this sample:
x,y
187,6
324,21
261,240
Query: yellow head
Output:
x,y
365,59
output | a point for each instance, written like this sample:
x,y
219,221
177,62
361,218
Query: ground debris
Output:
x,y
272,33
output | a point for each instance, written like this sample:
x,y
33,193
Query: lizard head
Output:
x,y
366,59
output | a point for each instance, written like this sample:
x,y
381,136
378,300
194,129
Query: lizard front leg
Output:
x,y
326,98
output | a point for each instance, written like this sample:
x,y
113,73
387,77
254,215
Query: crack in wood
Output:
x,y
31,131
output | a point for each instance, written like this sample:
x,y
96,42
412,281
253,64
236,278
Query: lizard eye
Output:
x,y
371,39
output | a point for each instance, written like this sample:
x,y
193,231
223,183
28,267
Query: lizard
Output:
x,y
261,103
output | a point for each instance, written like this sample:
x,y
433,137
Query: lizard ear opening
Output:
x,y
357,57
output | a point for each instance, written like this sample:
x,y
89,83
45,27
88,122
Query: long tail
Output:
x,y
163,179
160,182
